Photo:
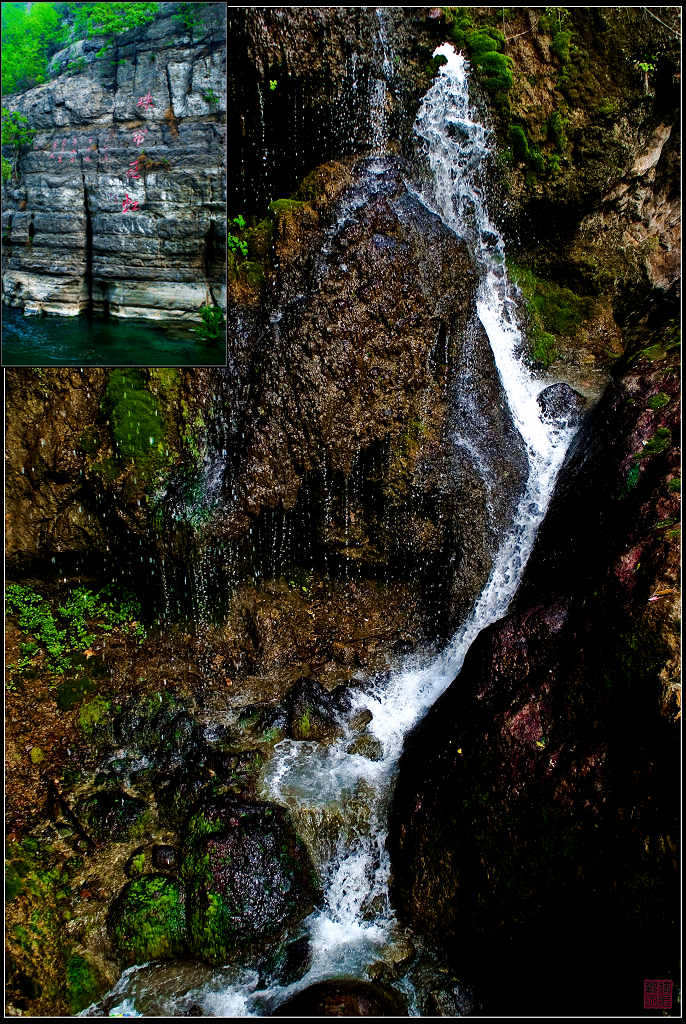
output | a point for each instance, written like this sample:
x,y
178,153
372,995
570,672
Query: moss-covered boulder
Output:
x,y
247,875
148,920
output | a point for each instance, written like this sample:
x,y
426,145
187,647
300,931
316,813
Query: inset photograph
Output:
x,y
113,184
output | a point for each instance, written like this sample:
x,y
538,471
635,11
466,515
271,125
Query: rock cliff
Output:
x,y
146,123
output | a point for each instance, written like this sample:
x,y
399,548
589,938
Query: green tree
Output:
x,y
110,20
29,38
15,134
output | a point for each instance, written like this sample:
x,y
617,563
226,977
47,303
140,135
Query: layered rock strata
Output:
x,y
144,124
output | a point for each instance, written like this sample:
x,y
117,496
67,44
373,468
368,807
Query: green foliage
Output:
x,y
237,244
6,172
39,886
273,84
63,633
211,97
187,14
29,38
75,67
674,484
658,401
213,324
111,20
632,477
15,129
560,44
35,617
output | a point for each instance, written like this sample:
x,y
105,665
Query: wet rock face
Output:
x,y
248,878
540,793
305,87
562,405
165,259
347,381
344,997
311,712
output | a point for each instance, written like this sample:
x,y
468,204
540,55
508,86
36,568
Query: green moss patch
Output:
x,y
136,422
83,984
553,311
148,920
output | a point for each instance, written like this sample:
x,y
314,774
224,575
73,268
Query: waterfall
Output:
x,y
379,91
340,800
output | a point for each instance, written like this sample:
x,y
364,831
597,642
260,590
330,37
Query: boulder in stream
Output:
x,y
344,997
148,920
561,404
248,878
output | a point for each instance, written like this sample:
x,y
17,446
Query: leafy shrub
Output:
x,y
188,16
29,38
15,129
68,629
213,323
237,244
111,20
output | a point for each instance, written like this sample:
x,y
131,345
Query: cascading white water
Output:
x,y
357,919
329,790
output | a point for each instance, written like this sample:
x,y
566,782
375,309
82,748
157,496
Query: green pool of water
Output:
x,y
80,341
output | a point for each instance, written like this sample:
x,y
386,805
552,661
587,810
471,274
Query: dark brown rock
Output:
x,y
344,997
536,813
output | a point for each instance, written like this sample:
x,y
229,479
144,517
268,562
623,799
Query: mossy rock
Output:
x,y
84,984
72,691
311,712
110,815
137,425
148,920
278,207
248,878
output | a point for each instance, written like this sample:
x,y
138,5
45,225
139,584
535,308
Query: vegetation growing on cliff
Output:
x,y
33,33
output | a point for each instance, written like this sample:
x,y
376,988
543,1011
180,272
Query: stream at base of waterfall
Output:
x,y
340,800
